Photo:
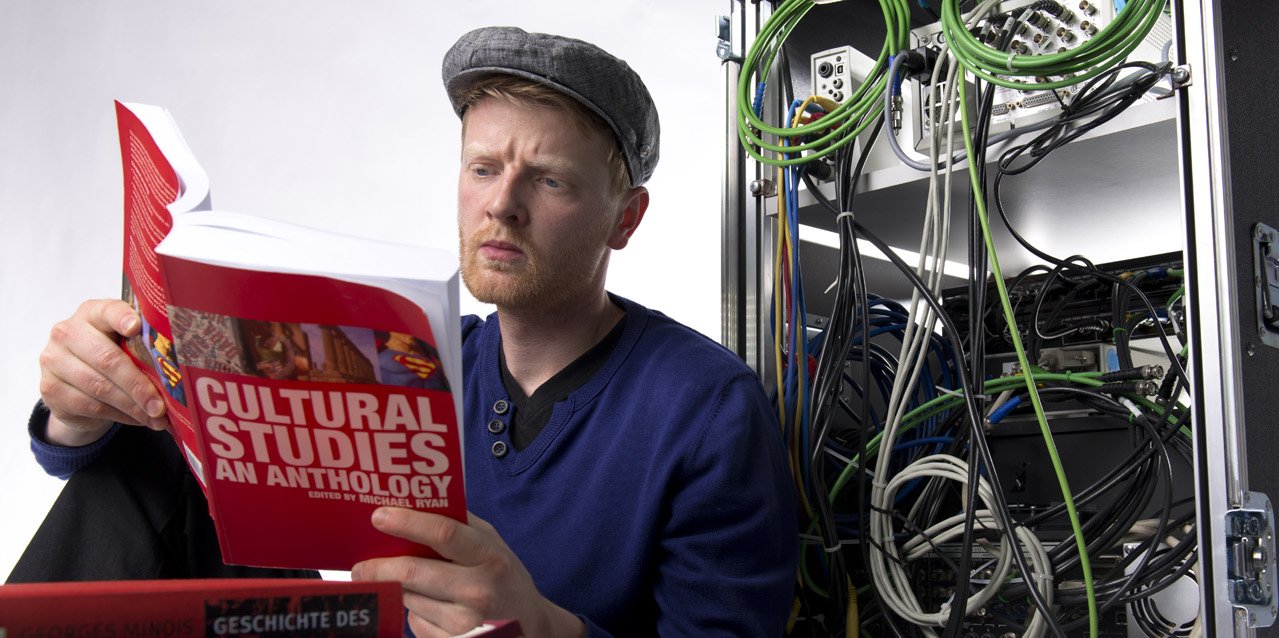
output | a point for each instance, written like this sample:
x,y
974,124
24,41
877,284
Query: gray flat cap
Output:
x,y
581,70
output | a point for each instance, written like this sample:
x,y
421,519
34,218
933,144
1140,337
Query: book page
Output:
x,y
425,276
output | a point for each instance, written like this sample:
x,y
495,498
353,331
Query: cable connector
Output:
x,y
818,170
918,63
1167,386
1148,372
1050,6
1144,388
1002,411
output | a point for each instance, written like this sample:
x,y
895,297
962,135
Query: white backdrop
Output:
x,y
324,112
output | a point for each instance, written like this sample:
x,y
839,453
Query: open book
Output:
x,y
310,377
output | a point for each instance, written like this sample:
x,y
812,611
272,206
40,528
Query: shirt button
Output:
x,y
499,449
501,406
496,426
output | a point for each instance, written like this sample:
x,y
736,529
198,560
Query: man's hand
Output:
x,y
88,382
484,581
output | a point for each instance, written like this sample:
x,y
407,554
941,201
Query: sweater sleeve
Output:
x,y
57,460
730,547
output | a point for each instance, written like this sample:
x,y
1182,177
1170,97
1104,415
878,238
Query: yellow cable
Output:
x,y
851,624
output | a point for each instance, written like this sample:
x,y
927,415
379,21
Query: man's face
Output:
x,y
536,215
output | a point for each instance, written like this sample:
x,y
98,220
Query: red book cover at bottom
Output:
x,y
211,608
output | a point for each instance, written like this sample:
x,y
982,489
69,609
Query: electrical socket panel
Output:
x,y
837,73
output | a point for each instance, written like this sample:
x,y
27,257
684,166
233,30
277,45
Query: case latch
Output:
x,y
1250,559
1265,254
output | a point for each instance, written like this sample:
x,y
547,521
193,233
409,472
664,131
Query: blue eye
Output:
x,y
551,182
480,171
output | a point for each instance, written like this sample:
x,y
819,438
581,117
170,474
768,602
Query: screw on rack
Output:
x,y
763,188
1181,76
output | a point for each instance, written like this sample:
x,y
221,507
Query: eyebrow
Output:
x,y
541,163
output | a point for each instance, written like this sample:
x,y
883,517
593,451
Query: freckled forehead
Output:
x,y
536,135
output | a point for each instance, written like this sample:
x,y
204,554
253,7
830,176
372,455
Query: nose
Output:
x,y
506,201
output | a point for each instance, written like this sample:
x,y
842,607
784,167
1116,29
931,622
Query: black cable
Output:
x,y
978,266
1107,105
1108,586
1176,562
1093,99
1164,479
824,516
1105,483
1036,336
827,382
992,314
966,391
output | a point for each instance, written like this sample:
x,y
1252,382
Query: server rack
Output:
x,y
1196,184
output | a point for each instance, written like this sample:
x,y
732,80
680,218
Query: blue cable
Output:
x,y
798,318
1002,411
897,78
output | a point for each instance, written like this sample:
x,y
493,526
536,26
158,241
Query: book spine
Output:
x,y
150,185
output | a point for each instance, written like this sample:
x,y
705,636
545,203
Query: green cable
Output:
x,y
1028,375
842,125
839,128
1128,25
1101,52
946,402
1172,299
1108,48
812,584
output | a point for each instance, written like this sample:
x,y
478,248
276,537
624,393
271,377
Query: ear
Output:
x,y
633,203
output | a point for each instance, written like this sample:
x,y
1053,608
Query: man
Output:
x,y
625,475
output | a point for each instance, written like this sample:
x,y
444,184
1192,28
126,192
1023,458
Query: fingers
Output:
x,y
87,380
484,579
450,580
110,316
430,617
454,540
444,598
78,392
427,579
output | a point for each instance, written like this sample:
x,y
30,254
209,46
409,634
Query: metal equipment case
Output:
x,y
1197,180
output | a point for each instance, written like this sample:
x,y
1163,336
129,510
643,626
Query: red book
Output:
x,y
310,376
215,607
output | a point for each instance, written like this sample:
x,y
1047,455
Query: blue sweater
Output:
x,y
656,500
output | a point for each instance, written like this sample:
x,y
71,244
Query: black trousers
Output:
x,y
136,513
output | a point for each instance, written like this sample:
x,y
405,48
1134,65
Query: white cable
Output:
x,y
896,589
886,575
